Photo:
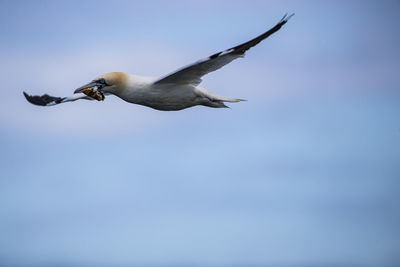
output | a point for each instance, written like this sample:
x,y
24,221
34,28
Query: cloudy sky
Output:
x,y
306,172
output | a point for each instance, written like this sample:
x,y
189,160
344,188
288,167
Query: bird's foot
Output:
x,y
91,92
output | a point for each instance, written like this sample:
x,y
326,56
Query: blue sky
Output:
x,y
305,172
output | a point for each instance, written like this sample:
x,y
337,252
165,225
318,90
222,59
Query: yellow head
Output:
x,y
112,82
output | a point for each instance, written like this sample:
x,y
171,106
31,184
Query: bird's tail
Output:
x,y
217,101
228,99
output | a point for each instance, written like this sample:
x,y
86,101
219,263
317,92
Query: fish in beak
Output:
x,y
91,90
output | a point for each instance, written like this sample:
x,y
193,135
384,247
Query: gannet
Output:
x,y
176,91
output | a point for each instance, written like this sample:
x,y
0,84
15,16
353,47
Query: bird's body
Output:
x,y
161,97
176,91
145,91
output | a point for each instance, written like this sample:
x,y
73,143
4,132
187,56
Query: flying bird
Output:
x,y
176,91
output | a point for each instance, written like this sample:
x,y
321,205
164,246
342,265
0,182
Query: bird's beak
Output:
x,y
91,90
90,85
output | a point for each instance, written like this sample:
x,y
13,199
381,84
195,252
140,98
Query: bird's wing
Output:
x,y
47,100
192,74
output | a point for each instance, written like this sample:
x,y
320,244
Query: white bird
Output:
x,y
175,91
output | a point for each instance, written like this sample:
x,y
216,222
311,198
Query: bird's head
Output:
x,y
112,83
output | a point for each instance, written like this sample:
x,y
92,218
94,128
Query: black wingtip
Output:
x,y
286,18
35,100
44,100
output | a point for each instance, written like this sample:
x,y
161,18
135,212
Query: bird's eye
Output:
x,y
101,82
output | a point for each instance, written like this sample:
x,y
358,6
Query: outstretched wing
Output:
x,y
192,74
47,100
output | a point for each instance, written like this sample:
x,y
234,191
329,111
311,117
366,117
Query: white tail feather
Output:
x,y
214,97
